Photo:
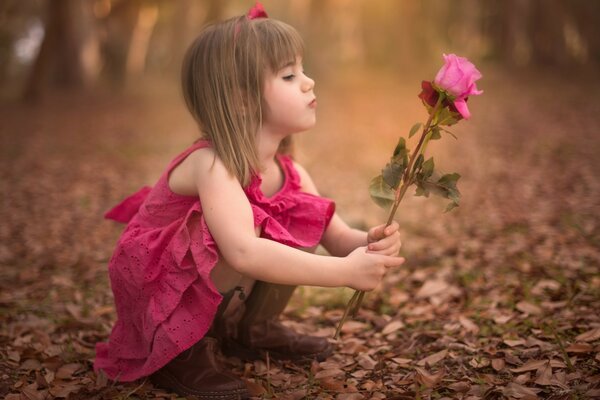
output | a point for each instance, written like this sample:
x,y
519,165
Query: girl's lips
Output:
x,y
313,103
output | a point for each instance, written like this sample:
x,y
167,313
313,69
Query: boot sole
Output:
x,y
234,349
167,381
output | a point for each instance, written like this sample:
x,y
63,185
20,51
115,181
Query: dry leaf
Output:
x,y
461,387
431,288
498,364
544,375
401,361
579,348
329,373
366,361
255,388
330,383
68,370
393,326
589,336
514,343
530,365
427,379
433,359
519,391
349,396
469,325
528,308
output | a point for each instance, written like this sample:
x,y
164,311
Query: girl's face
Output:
x,y
289,101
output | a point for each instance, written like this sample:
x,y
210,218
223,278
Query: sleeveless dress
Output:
x,y
160,269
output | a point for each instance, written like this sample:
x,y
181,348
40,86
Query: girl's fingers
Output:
x,y
391,261
391,229
384,243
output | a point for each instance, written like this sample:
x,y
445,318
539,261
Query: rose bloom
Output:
x,y
457,78
430,97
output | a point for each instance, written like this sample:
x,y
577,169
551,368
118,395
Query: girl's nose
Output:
x,y
308,84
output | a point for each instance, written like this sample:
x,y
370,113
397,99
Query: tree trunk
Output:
x,y
59,59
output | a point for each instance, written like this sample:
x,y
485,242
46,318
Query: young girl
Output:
x,y
232,214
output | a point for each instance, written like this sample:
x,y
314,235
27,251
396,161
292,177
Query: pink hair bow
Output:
x,y
258,11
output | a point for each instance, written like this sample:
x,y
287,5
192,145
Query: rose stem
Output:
x,y
406,182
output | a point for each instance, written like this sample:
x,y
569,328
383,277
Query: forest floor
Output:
x,y
499,298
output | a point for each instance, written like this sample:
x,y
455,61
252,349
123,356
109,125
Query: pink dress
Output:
x,y
159,271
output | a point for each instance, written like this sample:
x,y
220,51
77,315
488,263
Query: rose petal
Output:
x,y
461,106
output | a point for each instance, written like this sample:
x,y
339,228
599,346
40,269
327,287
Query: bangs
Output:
x,y
281,43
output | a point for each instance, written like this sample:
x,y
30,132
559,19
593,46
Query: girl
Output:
x,y
232,214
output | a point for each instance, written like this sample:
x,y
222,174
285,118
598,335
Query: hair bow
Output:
x,y
258,11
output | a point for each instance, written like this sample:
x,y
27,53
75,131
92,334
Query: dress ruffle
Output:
x,y
160,270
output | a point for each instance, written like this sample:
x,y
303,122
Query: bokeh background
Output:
x,y
91,110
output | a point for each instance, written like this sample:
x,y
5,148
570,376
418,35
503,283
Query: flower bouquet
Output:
x,y
446,101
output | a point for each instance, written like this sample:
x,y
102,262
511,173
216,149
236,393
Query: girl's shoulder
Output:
x,y
184,171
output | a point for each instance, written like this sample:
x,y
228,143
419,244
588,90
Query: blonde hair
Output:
x,y
222,79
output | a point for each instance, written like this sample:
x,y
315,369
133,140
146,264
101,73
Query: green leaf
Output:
x,y
392,173
381,193
427,168
435,133
414,129
400,147
449,180
447,131
451,207
446,117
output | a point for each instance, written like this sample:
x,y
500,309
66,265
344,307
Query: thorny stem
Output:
x,y
407,179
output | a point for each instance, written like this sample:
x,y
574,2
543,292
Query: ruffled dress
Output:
x,y
160,269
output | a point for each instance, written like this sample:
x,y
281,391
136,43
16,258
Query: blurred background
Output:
x,y
91,110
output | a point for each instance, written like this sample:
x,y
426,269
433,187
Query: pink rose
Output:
x,y
430,97
457,78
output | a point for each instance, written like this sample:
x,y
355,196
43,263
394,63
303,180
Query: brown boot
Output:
x,y
198,371
250,333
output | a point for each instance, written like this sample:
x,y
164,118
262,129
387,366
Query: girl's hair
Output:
x,y
222,77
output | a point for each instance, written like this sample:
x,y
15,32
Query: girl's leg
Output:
x,y
225,278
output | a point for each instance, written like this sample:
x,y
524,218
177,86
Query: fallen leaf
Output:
x,y
519,391
479,362
255,389
589,336
330,383
544,375
433,359
461,387
427,379
514,343
401,361
366,361
63,391
31,365
528,308
469,325
498,364
393,326
350,396
579,348
68,370
531,365
328,373
431,287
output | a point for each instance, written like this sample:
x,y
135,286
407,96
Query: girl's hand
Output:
x,y
367,268
384,240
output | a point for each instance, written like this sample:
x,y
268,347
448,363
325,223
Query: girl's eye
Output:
x,y
288,77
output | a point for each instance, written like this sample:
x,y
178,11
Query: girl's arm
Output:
x,y
229,217
340,239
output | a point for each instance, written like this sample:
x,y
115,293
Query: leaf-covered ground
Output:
x,y
499,298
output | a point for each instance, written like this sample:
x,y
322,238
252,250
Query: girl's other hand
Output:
x,y
367,268
384,240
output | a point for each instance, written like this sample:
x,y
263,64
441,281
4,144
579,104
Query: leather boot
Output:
x,y
198,371
254,329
